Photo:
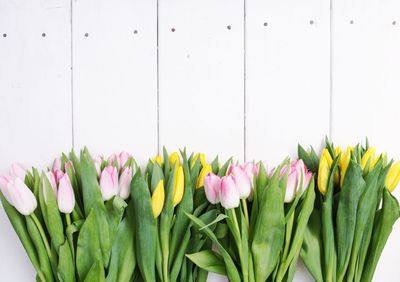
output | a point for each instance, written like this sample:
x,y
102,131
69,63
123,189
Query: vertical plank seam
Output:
x,y
330,70
244,85
72,76
158,83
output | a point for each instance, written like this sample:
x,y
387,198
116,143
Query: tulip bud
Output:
x,y
125,183
22,197
66,197
202,159
157,159
230,197
251,170
18,170
324,171
393,177
368,159
157,199
179,186
212,187
204,171
109,182
97,163
122,159
52,180
56,164
242,181
4,180
174,158
344,164
291,185
58,174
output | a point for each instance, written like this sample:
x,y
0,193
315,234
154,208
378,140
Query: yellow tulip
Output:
x,y
393,177
368,158
324,171
157,199
178,186
157,159
344,164
174,158
338,151
204,171
202,159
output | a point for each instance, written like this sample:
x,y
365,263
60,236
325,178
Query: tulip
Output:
x,y
242,180
344,162
18,170
174,158
157,159
157,199
123,158
230,196
125,183
58,174
52,180
212,187
4,180
113,159
368,159
65,197
178,186
393,177
204,171
97,163
202,159
56,164
109,182
324,171
22,197
251,170
298,179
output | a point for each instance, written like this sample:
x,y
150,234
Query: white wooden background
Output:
x,y
243,78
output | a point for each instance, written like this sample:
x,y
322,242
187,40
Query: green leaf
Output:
x,y
224,168
66,264
96,273
88,250
115,209
209,261
218,219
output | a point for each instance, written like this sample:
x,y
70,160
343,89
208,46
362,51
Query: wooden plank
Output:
x,y
115,76
201,76
287,77
366,86
35,100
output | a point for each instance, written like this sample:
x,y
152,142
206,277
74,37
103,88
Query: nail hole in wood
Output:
x,y
265,24
351,22
43,34
311,22
86,34
394,23
173,29
135,31
229,27
4,34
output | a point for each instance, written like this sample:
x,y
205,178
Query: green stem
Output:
x,y
239,245
42,234
246,212
68,219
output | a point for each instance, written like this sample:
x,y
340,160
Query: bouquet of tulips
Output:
x,y
354,212
262,218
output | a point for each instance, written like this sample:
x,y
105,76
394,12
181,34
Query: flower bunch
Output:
x,y
266,215
354,212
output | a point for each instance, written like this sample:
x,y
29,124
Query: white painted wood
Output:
x,y
287,77
115,76
201,76
35,101
366,85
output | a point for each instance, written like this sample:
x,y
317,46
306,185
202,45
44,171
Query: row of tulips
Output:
x,y
105,219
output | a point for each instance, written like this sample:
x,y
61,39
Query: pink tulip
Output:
x,y
97,163
58,174
125,183
298,179
51,178
18,170
252,171
56,164
66,197
22,197
4,180
242,180
109,182
230,197
212,187
123,158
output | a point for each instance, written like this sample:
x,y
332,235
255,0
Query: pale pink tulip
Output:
x,y
123,158
125,183
4,180
22,197
243,182
52,179
212,187
56,164
66,197
230,197
97,163
18,170
109,182
252,171
58,174
298,179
